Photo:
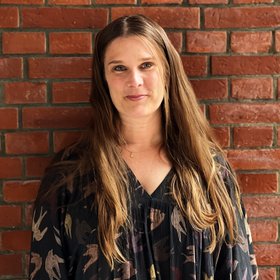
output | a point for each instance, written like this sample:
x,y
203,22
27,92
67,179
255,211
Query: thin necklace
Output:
x,y
131,153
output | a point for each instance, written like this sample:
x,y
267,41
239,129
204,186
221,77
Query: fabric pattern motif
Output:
x,y
161,244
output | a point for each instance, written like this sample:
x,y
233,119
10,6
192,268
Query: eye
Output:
x,y
146,65
119,68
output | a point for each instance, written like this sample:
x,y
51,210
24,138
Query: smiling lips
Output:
x,y
136,97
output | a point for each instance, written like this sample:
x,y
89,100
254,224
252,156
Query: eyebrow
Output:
x,y
120,61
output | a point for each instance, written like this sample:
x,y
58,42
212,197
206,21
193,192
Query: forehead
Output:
x,y
130,46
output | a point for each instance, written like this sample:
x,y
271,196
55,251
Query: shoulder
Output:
x,y
62,182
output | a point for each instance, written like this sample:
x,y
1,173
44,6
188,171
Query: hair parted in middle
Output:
x,y
197,185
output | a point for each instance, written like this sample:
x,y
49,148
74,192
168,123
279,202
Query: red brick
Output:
x,y
245,65
70,18
56,117
278,133
176,40
10,265
252,2
262,207
115,1
161,1
278,88
208,1
246,17
245,113
222,135
24,42
35,166
252,88
8,118
70,2
267,273
10,167
206,42
27,142
254,159
277,40
64,138
9,17
70,43
251,42
28,214
25,92
10,68
252,136
195,65
23,2
264,230
60,67
10,216
20,191
71,92
16,240
268,254
258,183
174,17
210,89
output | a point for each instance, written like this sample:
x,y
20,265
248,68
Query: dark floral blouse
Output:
x,y
160,245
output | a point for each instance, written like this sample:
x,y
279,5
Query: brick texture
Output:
x,y
20,191
242,17
245,65
10,216
10,167
8,118
16,240
253,136
10,264
69,43
258,183
10,68
252,88
266,230
230,51
277,38
63,139
165,16
195,66
210,89
245,113
9,17
206,42
58,67
264,159
25,92
64,18
27,142
70,2
24,42
251,42
71,92
55,117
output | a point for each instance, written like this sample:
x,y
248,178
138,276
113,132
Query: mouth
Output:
x,y
136,97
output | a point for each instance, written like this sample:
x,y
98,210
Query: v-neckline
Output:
x,y
156,190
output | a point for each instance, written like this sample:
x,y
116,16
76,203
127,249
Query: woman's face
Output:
x,y
134,76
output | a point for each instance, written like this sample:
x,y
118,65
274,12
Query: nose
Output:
x,y
135,79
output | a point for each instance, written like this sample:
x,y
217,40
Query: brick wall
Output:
x,y
230,50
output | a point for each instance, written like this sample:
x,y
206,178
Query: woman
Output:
x,y
146,193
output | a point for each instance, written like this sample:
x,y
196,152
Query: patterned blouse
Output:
x,y
161,244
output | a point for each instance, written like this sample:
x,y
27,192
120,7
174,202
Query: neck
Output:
x,y
142,133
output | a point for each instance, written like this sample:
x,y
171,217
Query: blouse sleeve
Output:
x,y
47,256
236,261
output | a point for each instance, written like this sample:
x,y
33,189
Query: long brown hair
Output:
x,y
197,186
